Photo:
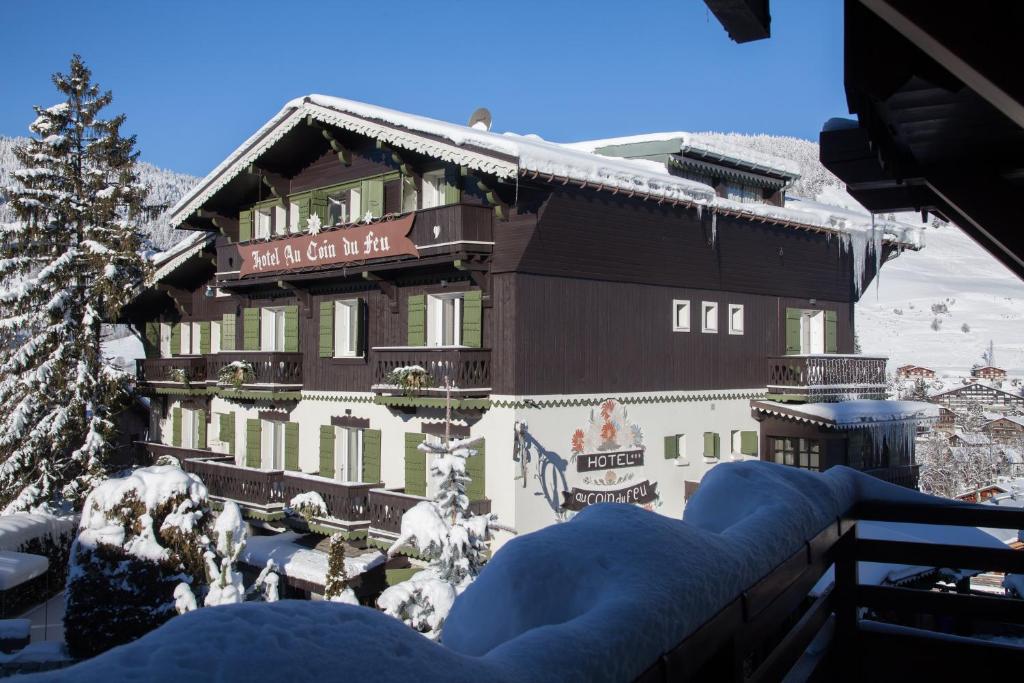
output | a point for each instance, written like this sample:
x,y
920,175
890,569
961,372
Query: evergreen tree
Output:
x,y
70,262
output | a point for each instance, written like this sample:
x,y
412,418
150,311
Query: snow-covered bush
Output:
x,y
444,531
410,378
178,375
309,505
236,373
336,588
139,538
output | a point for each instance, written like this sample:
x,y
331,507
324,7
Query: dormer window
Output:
x,y
745,194
344,206
433,189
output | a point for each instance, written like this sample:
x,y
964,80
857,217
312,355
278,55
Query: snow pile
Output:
x,y
17,568
20,528
309,504
299,562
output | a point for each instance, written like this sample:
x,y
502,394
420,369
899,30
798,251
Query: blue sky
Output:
x,y
196,78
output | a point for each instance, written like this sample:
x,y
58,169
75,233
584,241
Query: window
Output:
x,y
712,446
709,316
680,315
280,220
185,347
346,329
812,332
293,218
444,320
196,336
410,197
348,454
343,206
262,219
803,453
433,189
735,318
675,449
272,434
165,340
215,336
272,329
744,194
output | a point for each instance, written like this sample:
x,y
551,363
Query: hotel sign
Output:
x,y
610,460
637,494
384,239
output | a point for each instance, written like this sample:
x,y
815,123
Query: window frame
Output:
x,y
277,314
705,306
733,309
262,211
274,435
354,306
676,305
341,454
435,323
434,179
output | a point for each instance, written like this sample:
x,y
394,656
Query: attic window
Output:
x,y
680,315
709,316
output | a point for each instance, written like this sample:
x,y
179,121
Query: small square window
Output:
x,y
735,318
680,315
709,316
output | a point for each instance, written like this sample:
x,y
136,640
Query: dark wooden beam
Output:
x,y
743,20
386,287
480,274
303,296
343,152
501,208
182,298
404,166
276,183
226,225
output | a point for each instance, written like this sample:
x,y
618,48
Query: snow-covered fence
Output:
x,y
269,367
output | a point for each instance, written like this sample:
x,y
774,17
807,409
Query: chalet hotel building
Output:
x,y
614,319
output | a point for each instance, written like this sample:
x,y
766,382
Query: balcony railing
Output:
x,y
906,476
273,370
774,630
388,505
827,377
468,369
178,371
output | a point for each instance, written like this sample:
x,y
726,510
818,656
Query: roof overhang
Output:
x,y
868,413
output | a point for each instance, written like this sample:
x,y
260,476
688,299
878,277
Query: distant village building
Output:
x,y
914,372
946,422
606,314
977,392
988,372
971,439
1005,429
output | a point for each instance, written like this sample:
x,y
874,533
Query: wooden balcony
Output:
x,y
388,505
774,630
906,476
455,230
177,371
468,369
826,378
272,370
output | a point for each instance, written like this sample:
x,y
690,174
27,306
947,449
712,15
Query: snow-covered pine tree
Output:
x,y
69,262
445,531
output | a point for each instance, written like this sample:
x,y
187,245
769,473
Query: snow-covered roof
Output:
x,y
17,568
302,562
19,528
972,438
509,155
851,414
165,262
975,383
701,145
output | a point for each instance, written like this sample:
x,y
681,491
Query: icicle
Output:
x,y
714,227
876,236
700,212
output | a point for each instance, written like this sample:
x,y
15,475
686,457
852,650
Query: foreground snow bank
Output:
x,y
596,599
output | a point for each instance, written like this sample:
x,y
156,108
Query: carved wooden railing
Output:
x,y
260,488
388,505
828,377
765,633
468,369
271,368
180,370
344,501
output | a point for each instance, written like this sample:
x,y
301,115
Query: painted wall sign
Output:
x,y
610,460
637,494
383,239
609,429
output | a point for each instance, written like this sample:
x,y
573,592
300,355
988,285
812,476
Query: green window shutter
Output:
x,y
748,443
327,451
204,337
291,446
176,426
711,444
227,332
372,194
452,194
415,465
304,204
245,225
371,456
671,447
152,339
326,329
176,339
227,430
417,335
476,469
318,206
200,416
472,318
251,329
831,341
291,328
792,331
253,445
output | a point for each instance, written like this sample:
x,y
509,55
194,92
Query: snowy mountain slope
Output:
x,y
976,298
165,188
